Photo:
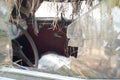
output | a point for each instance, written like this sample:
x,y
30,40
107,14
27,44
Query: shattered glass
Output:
x,y
5,43
97,35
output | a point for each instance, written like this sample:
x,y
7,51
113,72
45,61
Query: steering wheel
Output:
x,y
18,50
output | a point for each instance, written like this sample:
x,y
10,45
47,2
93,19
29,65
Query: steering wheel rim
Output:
x,y
35,51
